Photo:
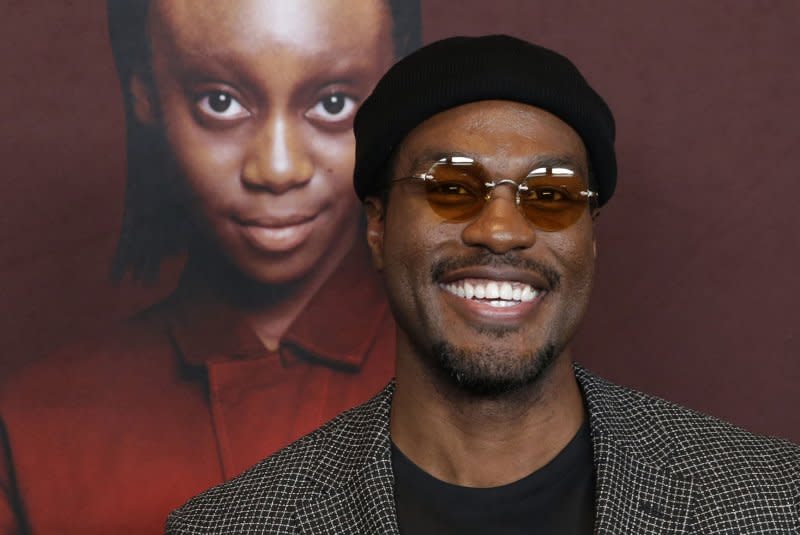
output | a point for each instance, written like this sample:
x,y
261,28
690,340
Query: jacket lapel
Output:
x,y
354,478
635,497
636,488
365,504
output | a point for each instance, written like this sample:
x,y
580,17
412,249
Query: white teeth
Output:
x,y
502,304
506,291
497,293
469,291
492,290
527,295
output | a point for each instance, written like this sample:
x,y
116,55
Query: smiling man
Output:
x,y
482,163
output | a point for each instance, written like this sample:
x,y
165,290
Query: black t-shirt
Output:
x,y
556,499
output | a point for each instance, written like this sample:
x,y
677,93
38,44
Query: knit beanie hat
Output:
x,y
460,70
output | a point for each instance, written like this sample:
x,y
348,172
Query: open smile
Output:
x,y
492,300
499,294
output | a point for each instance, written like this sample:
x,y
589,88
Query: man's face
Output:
x,y
488,345
257,99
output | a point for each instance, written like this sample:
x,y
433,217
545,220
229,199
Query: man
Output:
x,y
482,163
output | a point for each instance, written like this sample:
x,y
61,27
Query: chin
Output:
x,y
275,277
482,374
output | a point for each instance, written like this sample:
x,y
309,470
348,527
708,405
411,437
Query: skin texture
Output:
x,y
256,100
452,430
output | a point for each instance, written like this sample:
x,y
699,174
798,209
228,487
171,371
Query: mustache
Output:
x,y
485,258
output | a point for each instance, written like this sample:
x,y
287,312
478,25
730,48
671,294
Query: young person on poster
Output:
x,y
240,155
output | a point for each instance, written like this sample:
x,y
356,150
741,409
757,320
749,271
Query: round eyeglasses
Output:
x,y
550,197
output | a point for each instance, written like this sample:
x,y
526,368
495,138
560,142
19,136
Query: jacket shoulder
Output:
x,y
731,465
269,493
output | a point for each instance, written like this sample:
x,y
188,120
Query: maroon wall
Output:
x,y
63,151
697,285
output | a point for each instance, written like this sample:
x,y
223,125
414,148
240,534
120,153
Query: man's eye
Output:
x,y
333,108
454,189
221,105
547,194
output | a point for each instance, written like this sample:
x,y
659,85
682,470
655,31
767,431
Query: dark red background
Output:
x,y
697,286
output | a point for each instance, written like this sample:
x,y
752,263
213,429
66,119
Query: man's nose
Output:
x,y
278,158
500,226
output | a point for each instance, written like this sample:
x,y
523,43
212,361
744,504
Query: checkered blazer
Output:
x,y
660,469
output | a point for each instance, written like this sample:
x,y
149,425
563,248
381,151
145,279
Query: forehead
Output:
x,y
503,134
254,27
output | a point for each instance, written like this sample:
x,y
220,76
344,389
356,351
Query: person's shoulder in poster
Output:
x,y
483,199
240,157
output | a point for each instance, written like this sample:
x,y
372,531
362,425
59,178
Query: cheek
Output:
x,y
413,240
208,162
574,253
334,159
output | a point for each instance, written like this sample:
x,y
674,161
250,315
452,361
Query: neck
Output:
x,y
476,442
269,308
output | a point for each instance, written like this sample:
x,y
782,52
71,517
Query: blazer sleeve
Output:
x,y
177,525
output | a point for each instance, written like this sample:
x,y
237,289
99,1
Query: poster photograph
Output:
x,y
186,282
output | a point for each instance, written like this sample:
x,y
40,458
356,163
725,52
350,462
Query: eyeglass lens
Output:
x,y
458,192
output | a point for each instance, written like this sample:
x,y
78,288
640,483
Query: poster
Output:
x,y
696,286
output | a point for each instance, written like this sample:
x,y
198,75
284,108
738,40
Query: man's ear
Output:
x,y
143,99
376,217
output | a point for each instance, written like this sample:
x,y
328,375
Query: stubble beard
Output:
x,y
489,375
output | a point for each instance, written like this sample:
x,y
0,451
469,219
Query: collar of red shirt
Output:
x,y
337,328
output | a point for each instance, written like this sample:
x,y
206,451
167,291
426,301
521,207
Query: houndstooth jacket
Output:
x,y
660,469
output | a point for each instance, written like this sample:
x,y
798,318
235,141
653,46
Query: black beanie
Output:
x,y
459,70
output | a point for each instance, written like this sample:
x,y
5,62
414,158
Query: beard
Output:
x,y
482,374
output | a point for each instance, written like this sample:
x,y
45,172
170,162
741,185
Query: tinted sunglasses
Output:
x,y
550,197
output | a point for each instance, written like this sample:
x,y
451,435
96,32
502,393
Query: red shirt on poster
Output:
x,y
111,435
